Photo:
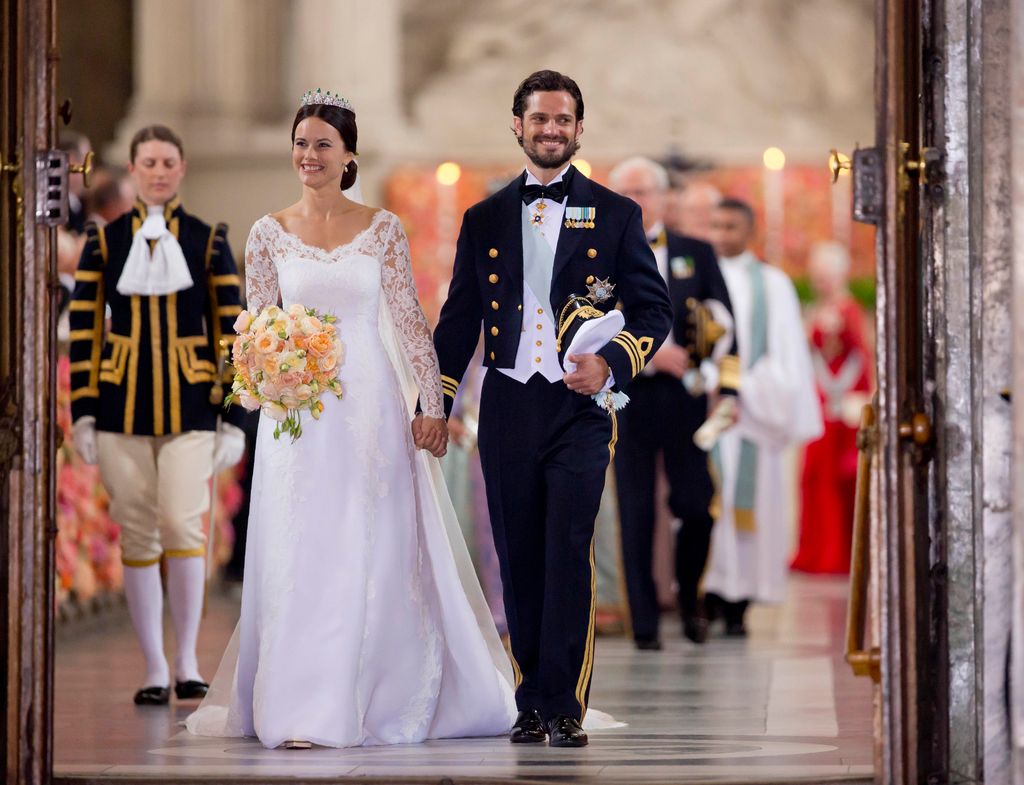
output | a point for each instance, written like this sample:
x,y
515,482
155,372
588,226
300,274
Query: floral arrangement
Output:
x,y
284,360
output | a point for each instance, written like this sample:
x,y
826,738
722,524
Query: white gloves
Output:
x,y
721,419
83,434
228,448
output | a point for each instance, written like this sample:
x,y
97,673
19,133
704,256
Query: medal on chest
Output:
x,y
537,213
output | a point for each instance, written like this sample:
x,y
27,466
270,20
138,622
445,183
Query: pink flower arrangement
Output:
x,y
285,359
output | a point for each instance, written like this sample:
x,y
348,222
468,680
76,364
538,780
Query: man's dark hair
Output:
x,y
546,82
732,203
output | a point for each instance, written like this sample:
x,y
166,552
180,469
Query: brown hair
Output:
x,y
546,82
344,120
160,133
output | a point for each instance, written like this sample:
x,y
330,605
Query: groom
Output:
x,y
544,442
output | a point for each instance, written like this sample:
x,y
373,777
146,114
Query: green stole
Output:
x,y
745,492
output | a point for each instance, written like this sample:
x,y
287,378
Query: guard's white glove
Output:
x,y
721,419
228,448
83,434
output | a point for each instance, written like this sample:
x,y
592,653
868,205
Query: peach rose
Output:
x,y
242,322
275,411
248,402
320,344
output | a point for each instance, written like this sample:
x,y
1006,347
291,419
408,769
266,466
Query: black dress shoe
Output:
x,y
566,732
153,696
647,644
695,628
187,690
529,728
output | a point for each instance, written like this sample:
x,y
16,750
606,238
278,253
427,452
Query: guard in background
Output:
x,y
147,392
663,415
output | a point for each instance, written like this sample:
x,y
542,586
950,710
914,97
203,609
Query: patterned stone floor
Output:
x,y
779,707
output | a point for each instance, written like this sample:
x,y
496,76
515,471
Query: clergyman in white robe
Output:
x,y
778,407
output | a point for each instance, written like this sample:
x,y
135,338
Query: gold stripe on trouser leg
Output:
x,y
128,470
184,467
588,654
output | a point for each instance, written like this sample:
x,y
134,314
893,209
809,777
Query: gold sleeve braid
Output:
x,y
86,317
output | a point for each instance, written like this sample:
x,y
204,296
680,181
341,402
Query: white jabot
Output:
x,y
160,271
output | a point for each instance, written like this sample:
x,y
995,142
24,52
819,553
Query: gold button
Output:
x,y
540,327
494,331
492,278
520,306
539,343
536,359
590,279
494,305
493,253
540,311
592,253
492,355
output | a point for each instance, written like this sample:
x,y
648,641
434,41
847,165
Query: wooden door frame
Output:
x,y
27,365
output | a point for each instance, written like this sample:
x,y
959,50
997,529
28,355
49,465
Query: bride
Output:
x,y
362,621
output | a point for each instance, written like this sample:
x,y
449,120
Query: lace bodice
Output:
x,y
269,246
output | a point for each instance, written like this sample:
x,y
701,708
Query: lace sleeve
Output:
x,y
407,315
261,288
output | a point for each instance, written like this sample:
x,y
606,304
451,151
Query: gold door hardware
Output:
x,y
923,165
918,430
863,661
838,163
6,166
13,168
84,169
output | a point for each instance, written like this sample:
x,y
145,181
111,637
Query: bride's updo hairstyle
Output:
x,y
341,117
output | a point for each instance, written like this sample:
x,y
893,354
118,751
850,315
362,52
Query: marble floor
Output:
x,y
780,706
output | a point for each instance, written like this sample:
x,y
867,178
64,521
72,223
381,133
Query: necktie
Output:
x,y
531,193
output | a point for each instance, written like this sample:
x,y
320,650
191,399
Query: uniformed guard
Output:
x,y
664,414
544,441
147,392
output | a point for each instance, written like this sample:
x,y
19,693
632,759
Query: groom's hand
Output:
x,y
590,375
433,435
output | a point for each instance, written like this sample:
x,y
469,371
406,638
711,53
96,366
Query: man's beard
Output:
x,y
553,160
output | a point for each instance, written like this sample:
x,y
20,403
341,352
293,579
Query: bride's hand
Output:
x,y
431,434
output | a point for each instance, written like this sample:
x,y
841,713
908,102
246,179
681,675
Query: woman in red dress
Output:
x,y
838,333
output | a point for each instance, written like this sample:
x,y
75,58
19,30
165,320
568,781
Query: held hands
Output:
x,y
590,375
430,434
673,360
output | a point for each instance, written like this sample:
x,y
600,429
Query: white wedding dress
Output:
x,y
362,621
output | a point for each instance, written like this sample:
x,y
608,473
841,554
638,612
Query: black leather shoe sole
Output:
x,y
153,696
189,690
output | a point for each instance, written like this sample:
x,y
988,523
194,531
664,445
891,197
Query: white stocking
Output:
x,y
145,598
186,585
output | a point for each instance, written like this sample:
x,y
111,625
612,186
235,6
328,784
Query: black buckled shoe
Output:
x,y
189,690
153,696
529,728
566,732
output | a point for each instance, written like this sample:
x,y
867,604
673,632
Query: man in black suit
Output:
x,y
663,416
544,441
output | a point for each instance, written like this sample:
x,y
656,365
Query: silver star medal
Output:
x,y
600,290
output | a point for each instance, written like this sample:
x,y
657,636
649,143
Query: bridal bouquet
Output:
x,y
284,360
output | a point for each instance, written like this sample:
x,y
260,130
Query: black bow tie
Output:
x,y
531,193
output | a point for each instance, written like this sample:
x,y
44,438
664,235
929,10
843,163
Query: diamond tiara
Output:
x,y
318,97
